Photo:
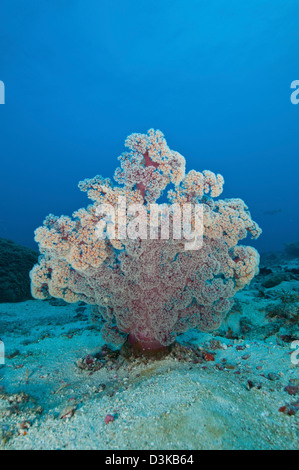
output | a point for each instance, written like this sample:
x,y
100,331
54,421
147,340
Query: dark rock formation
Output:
x,y
15,263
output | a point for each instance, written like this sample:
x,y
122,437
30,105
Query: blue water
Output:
x,y
213,75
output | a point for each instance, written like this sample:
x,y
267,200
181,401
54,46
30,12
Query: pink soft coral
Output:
x,y
149,289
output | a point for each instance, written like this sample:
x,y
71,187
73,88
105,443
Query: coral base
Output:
x,y
151,349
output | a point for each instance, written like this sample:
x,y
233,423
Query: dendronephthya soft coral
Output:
x,y
143,283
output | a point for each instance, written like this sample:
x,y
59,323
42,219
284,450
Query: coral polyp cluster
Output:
x,y
149,289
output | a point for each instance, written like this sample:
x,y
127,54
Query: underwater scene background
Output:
x,y
214,76
221,81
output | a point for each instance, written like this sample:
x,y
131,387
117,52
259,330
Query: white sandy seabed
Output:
x,y
233,402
